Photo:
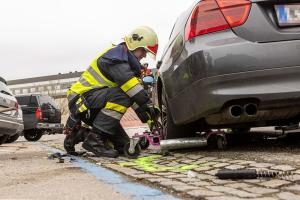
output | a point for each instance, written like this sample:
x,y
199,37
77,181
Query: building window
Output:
x,y
25,91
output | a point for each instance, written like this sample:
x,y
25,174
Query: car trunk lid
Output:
x,y
271,21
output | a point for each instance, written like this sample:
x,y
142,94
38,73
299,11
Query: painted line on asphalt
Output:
x,y
120,184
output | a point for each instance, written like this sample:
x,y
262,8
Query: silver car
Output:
x,y
11,121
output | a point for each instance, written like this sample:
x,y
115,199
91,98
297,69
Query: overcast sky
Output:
x,y
45,37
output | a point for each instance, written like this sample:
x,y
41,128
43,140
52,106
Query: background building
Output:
x,y
53,85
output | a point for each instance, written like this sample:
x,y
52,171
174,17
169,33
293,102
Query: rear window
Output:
x,y
27,100
47,101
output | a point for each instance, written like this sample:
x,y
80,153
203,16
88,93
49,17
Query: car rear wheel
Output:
x,y
32,135
12,138
171,130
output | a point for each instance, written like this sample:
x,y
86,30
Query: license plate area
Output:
x,y
288,15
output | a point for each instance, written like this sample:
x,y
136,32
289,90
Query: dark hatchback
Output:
x,y
231,64
41,115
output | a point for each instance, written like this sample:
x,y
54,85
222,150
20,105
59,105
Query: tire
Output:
x,y
144,143
221,142
137,151
32,135
170,130
13,138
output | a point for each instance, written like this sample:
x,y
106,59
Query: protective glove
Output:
x,y
150,124
153,111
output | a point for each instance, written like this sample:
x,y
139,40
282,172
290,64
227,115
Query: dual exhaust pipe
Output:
x,y
237,111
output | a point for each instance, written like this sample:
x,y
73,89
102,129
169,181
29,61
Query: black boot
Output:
x,y
76,136
95,145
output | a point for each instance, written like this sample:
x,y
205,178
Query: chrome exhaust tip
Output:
x,y
250,109
235,111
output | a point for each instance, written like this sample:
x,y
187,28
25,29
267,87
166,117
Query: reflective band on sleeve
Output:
x,y
115,107
112,113
130,84
79,101
133,91
135,106
97,76
84,82
82,108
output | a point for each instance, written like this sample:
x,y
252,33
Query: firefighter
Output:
x,y
105,90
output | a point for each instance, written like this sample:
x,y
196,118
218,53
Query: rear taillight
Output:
x,y
38,113
216,15
236,12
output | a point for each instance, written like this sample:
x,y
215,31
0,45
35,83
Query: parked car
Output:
x,y
11,122
41,115
231,64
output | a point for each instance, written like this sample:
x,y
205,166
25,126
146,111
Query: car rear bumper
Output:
x,y
50,126
269,89
10,125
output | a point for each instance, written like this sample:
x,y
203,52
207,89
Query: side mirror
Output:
x,y
158,64
148,80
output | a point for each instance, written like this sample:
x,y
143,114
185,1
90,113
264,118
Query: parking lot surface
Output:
x,y
190,174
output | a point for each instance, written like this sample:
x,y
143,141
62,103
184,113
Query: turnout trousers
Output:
x,y
102,109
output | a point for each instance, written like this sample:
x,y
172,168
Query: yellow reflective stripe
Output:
x,y
109,83
115,107
82,108
100,78
95,67
130,84
69,92
78,88
79,101
87,76
84,82
133,91
111,113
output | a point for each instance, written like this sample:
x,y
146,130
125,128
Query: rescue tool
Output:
x,y
252,174
142,141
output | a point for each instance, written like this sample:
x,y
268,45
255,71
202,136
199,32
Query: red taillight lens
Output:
x,y
236,12
38,113
216,15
